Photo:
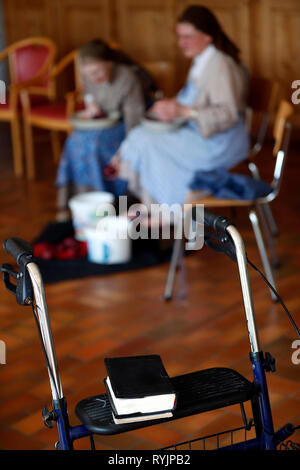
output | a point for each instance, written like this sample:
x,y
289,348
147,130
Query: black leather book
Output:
x,y
139,384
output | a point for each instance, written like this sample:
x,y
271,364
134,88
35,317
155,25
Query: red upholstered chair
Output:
x,y
29,63
53,114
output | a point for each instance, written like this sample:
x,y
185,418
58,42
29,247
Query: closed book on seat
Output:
x,y
140,417
139,384
133,417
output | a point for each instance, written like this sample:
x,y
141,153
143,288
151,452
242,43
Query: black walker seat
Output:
x,y
197,392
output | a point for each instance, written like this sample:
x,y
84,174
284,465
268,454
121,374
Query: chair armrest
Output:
x,y
58,68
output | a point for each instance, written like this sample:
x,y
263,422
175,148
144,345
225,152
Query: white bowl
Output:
x,y
161,126
94,124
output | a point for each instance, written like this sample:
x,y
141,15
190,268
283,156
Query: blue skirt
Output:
x,y
166,162
86,153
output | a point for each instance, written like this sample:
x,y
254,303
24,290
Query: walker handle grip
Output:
x,y
218,222
17,247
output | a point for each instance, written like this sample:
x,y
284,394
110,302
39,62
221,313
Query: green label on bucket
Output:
x,y
96,215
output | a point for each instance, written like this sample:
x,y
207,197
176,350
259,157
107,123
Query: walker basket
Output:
x,y
236,439
220,440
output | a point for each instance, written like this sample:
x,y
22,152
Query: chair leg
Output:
x,y
17,148
268,234
29,150
56,147
270,218
177,254
262,250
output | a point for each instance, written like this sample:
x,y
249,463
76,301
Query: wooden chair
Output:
x,y
281,134
29,63
52,115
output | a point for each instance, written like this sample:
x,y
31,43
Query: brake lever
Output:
x,y
23,289
8,271
221,243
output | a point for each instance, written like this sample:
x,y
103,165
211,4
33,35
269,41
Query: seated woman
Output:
x,y
111,82
159,166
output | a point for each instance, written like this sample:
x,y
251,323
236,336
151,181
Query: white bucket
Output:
x,y
88,209
110,241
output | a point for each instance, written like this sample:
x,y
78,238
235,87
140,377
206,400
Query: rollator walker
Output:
x,y
197,392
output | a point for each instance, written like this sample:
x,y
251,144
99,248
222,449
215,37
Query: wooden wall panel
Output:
x,y
24,18
277,44
146,28
80,21
266,31
147,31
282,20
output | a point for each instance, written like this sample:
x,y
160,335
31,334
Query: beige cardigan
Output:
x,y
222,94
123,93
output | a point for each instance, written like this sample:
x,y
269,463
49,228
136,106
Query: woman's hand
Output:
x,y
169,109
92,108
112,170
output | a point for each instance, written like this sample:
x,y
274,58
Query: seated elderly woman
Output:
x,y
159,166
111,82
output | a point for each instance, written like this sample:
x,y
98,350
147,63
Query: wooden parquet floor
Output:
x,y
124,314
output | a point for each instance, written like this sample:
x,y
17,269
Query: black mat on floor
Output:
x,y
146,253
